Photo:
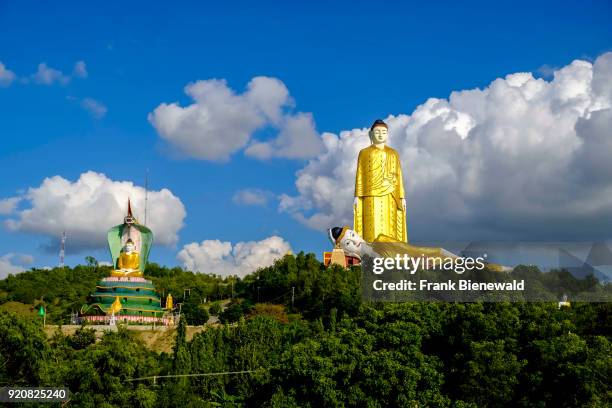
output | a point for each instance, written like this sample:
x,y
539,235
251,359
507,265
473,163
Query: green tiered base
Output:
x,y
140,303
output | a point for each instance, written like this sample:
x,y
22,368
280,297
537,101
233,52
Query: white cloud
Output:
x,y
95,108
221,122
547,71
48,76
8,205
89,206
523,158
221,258
297,139
24,259
45,75
251,196
80,69
6,76
12,263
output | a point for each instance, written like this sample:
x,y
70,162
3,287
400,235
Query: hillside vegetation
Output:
x,y
322,347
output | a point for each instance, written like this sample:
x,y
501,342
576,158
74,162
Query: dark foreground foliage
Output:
x,y
308,340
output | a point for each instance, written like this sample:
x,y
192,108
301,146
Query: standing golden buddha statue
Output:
x,y
379,207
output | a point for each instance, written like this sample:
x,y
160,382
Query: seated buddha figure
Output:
x,y
128,262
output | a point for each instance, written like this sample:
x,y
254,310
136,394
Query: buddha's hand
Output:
x,y
404,204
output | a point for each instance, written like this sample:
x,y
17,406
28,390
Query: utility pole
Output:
x,y
292,296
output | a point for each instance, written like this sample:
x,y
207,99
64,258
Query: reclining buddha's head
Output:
x,y
347,239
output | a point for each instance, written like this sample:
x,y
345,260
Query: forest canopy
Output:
x,y
302,336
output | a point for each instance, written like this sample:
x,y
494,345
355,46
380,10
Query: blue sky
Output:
x,y
346,63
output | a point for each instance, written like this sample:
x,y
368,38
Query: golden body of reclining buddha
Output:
x,y
379,207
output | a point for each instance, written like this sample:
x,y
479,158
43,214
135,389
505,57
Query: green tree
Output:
x,y
91,261
181,363
195,314
23,351
82,338
215,309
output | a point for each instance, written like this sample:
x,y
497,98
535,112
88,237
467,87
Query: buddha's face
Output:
x,y
379,135
351,243
129,247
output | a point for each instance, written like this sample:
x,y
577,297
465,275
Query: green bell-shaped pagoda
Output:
x,y
126,296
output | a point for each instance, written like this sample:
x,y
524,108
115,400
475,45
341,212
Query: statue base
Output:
x,y
338,257
121,273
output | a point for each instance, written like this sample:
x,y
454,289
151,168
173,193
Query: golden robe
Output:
x,y
388,248
129,261
380,189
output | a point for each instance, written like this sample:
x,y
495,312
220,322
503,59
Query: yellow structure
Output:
x,y
128,262
169,302
116,306
126,295
379,211
379,206
337,257
564,302
387,247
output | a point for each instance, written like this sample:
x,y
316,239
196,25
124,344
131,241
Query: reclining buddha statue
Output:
x,y
384,246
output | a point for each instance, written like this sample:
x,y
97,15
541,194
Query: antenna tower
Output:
x,y
146,195
62,249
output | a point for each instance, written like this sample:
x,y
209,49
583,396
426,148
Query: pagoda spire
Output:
x,y
129,212
129,218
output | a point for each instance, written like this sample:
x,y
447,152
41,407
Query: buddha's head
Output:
x,y
129,245
379,132
348,240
